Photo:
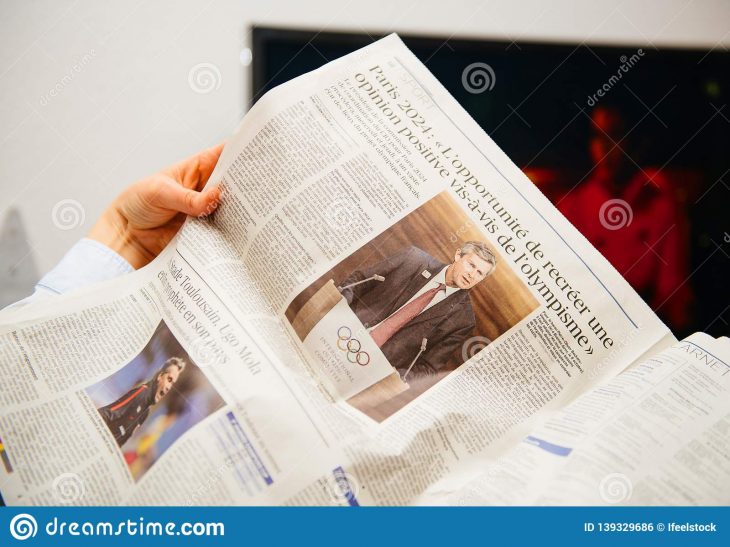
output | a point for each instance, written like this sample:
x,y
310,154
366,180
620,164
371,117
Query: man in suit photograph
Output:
x,y
417,308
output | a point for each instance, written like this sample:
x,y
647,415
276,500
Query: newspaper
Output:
x,y
383,310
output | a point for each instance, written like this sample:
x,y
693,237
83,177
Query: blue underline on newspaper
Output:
x,y
549,447
260,467
345,487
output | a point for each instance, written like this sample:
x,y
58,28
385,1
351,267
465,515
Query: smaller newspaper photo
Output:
x,y
383,310
152,400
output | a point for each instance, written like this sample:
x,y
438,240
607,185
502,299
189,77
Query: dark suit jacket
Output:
x,y
446,325
129,412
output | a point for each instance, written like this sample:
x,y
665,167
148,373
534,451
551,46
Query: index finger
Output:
x,y
194,172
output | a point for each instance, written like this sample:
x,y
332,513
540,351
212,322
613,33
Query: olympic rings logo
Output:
x,y
351,346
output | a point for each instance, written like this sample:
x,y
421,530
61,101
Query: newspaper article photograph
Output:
x,y
149,403
401,312
357,298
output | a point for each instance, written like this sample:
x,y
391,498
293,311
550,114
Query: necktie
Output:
x,y
382,333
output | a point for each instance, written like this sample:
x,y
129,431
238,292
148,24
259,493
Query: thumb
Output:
x,y
174,196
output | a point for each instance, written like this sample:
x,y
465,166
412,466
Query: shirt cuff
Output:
x,y
86,263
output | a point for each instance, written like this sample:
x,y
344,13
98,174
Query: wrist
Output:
x,y
112,231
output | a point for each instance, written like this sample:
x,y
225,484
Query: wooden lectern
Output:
x,y
310,314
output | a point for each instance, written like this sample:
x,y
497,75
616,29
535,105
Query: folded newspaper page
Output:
x,y
383,310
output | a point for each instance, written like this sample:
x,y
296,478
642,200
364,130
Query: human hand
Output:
x,y
143,219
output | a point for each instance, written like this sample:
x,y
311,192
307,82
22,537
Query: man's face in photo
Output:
x,y
468,270
165,380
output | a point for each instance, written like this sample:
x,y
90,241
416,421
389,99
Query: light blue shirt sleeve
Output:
x,y
86,263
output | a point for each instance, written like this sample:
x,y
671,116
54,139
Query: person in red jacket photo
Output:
x,y
129,412
629,213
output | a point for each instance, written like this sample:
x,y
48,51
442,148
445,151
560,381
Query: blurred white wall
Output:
x,y
122,106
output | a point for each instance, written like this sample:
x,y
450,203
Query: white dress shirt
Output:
x,y
86,263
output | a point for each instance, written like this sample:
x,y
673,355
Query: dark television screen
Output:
x,y
541,111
